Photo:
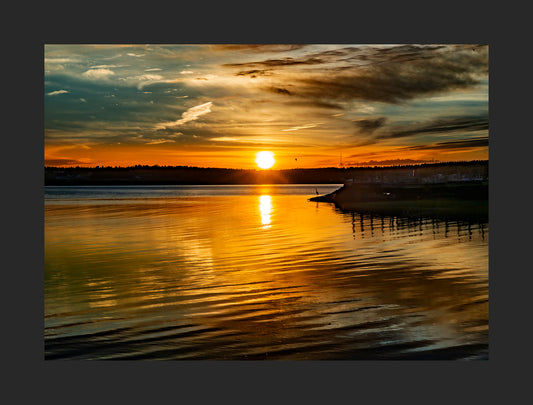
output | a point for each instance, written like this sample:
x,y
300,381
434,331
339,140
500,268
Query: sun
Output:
x,y
265,159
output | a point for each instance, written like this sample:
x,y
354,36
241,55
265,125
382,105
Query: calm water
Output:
x,y
256,272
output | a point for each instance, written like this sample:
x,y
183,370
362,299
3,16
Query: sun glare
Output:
x,y
265,159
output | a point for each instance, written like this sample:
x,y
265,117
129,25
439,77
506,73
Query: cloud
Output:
x,y
314,104
271,63
442,125
105,66
191,114
258,47
391,74
62,162
280,90
159,141
254,73
62,60
454,145
98,73
370,125
150,77
302,127
186,72
55,93
224,139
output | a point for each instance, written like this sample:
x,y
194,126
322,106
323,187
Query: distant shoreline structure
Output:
x,y
186,175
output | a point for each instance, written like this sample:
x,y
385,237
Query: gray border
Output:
x,y
319,381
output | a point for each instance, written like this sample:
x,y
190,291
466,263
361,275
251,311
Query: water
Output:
x,y
258,273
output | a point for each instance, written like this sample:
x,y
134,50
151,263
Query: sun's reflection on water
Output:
x,y
265,209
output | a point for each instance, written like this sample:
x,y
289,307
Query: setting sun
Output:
x,y
265,159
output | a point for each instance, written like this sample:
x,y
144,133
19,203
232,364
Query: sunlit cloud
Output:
x,y
98,73
57,92
191,114
105,66
62,60
148,78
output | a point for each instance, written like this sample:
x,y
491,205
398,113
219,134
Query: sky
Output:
x,y
217,105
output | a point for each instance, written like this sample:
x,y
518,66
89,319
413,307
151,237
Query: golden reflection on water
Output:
x,y
265,209
317,277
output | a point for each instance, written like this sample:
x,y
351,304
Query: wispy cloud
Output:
x,y
55,93
105,66
191,114
279,62
159,141
224,139
62,60
477,142
442,125
302,127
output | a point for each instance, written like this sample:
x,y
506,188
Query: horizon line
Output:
x,y
362,166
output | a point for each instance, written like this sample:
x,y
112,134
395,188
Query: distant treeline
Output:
x,y
144,174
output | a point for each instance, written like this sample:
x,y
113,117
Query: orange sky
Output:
x,y
218,105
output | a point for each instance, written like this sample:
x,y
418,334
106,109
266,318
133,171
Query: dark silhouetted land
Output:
x,y
184,175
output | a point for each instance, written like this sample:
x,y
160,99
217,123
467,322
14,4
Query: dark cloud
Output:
x,y
390,75
445,125
280,90
402,73
314,103
370,125
254,73
259,47
273,63
454,145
